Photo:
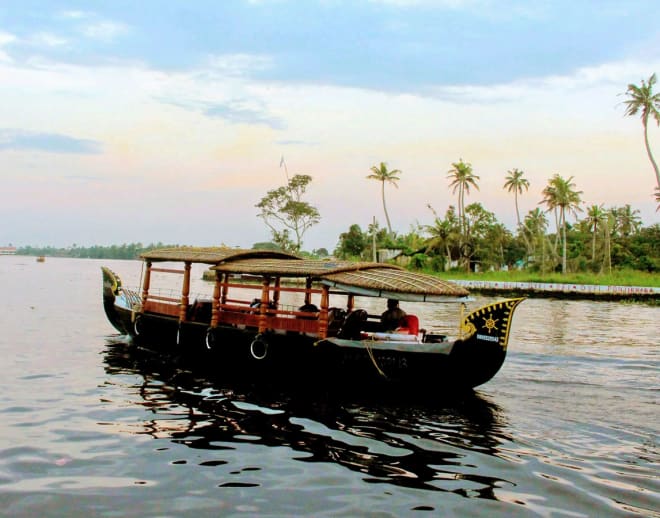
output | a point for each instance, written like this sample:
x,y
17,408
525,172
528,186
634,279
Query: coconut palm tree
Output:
x,y
595,216
382,174
642,99
627,220
516,183
443,233
462,177
560,195
536,224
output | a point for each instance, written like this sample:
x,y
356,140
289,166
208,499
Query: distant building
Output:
x,y
7,250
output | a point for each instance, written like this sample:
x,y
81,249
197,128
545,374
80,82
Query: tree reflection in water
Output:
x,y
410,440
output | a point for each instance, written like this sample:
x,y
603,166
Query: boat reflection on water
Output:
x,y
402,439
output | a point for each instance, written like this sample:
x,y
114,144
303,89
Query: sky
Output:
x,y
167,121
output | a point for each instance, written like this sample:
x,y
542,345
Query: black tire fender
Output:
x,y
259,348
210,339
138,325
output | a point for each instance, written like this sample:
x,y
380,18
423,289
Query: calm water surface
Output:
x,y
89,427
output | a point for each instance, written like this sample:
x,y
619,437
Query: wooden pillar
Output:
x,y
225,287
215,306
350,304
276,292
264,304
185,292
323,315
145,284
308,290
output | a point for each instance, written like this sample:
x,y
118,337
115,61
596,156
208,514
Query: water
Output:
x,y
568,427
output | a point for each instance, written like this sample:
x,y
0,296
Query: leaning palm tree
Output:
x,y
560,195
642,99
381,174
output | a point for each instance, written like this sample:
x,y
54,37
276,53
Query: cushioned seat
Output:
x,y
410,325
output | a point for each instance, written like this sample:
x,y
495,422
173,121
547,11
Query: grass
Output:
x,y
616,278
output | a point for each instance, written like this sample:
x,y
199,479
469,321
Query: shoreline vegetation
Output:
x,y
622,284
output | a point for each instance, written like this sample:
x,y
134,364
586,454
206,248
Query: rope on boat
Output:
x,y
373,359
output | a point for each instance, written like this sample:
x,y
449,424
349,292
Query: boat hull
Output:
x,y
229,350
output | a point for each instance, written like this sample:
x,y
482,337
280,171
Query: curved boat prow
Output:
x,y
479,352
111,287
491,323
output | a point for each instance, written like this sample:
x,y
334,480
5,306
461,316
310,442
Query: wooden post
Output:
x,y
225,287
276,292
264,304
350,303
308,290
145,284
323,315
215,307
185,292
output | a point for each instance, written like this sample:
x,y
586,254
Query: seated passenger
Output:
x,y
308,308
393,317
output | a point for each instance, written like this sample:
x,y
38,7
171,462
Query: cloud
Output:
x,y
239,65
239,111
12,139
46,39
104,30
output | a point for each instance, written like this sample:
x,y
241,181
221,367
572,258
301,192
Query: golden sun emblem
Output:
x,y
489,323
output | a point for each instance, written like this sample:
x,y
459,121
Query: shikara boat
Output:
x,y
273,314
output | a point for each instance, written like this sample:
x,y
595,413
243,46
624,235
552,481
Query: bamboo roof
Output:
x,y
360,278
371,279
209,255
394,283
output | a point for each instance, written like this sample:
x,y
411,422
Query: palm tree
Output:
x,y
657,198
381,174
462,176
595,216
516,183
560,195
627,220
536,224
642,99
443,232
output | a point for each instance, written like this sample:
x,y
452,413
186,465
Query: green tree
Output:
x,y
352,244
536,226
284,211
444,233
627,220
595,216
462,177
383,175
516,183
561,197
641,99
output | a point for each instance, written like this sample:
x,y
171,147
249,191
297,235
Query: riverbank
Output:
x,y
563,290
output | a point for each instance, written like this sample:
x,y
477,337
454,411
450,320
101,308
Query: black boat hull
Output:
x,y
464,364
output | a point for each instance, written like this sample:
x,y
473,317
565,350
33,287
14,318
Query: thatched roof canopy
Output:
x,y
400,284
296,268
370,279
209,255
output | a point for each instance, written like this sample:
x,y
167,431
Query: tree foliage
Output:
x,y
286,215
381,174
